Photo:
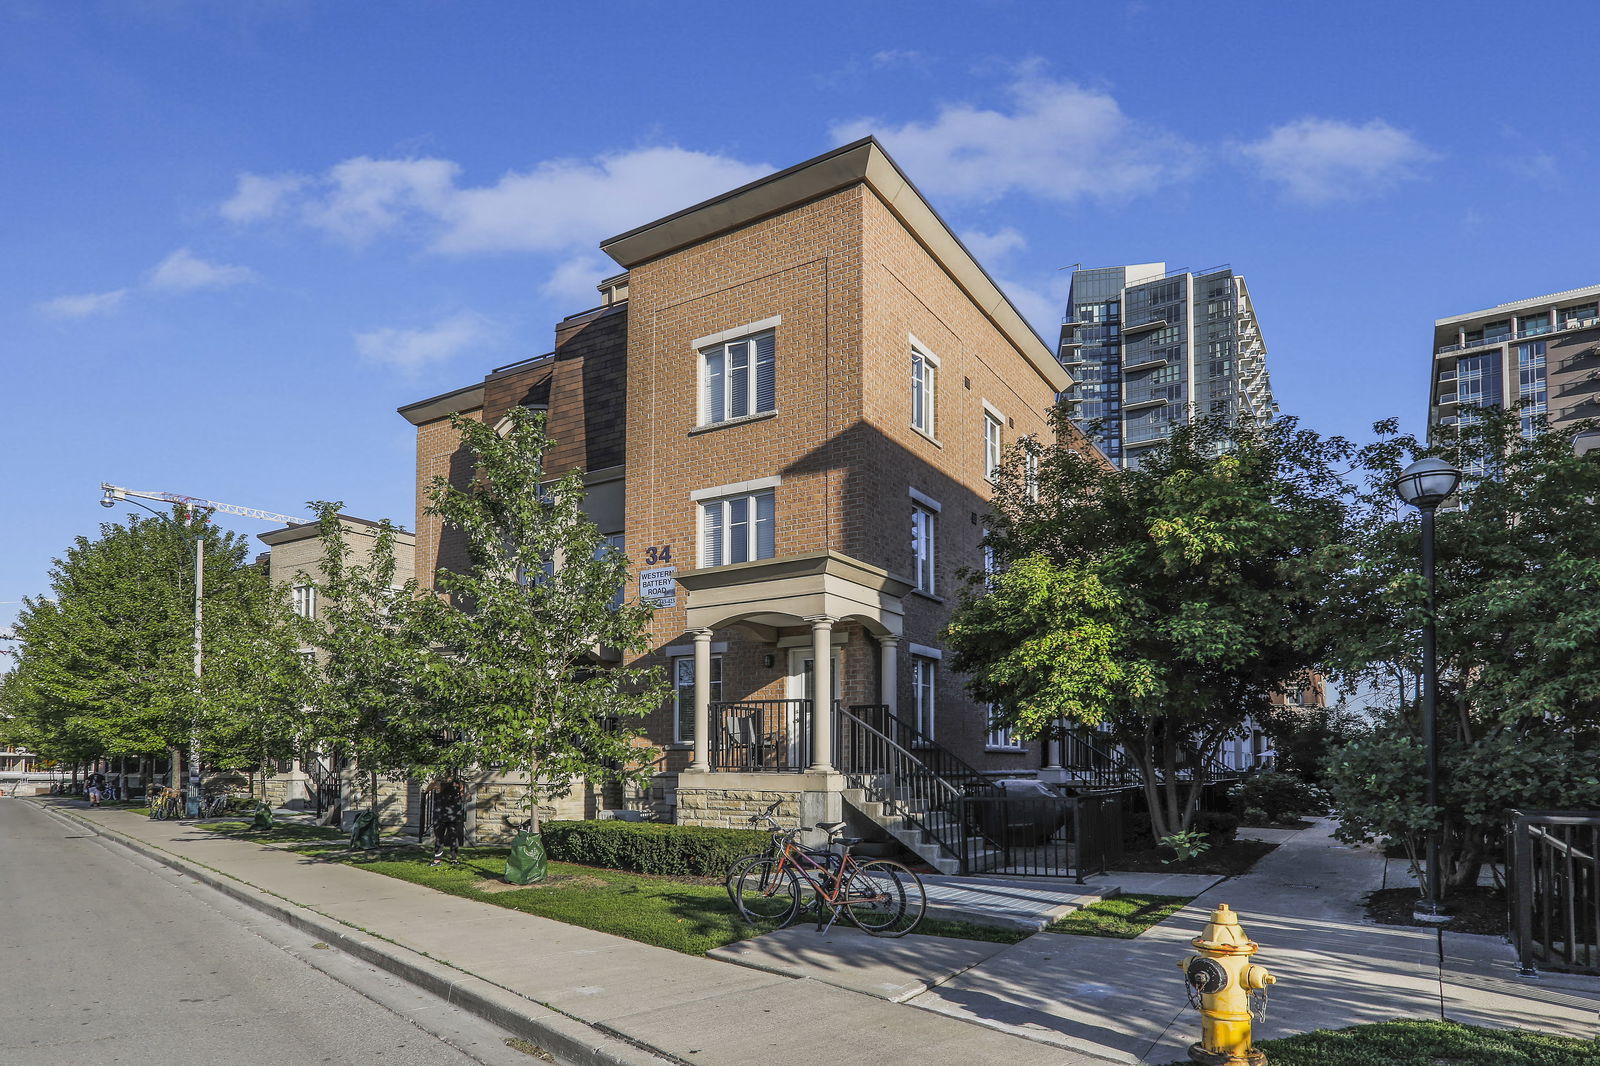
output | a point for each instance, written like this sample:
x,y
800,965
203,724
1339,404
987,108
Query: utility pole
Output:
x,y
110,496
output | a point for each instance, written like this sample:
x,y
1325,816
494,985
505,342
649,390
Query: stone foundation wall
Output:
x,y
733,808
498,797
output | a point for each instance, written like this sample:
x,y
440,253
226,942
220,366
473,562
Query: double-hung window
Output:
x,y
991,445
737,529
305,601
683,694
738,379
924,677
924,372
923,526
1000,737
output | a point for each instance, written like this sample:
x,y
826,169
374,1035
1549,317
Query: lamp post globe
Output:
x,y
1427,483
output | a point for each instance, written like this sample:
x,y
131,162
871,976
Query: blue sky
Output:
x,y
235,236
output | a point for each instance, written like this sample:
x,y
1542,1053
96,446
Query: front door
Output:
x,y
802,686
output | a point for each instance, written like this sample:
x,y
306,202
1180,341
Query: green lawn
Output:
x,y
681,915
1418,1043
1122,917
688,916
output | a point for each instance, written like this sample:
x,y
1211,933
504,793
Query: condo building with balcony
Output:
x,y
789,409
1151,348
1539,355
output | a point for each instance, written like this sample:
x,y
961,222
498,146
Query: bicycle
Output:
x,y
214,805
166,804
879,896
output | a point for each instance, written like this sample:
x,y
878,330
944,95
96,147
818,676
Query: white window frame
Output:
x,y
993,442
924,694
924,548
1002,739
720,513
745,341
683,694
1030,467
924,389
305,601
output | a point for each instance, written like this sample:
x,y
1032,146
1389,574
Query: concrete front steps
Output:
x,y
893,817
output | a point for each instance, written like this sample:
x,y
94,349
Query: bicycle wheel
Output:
x,y
765,895
884,898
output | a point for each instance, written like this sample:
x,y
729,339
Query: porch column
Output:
x,y
889,673
702,701
822,692
1057,743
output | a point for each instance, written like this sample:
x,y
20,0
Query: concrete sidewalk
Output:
x,y
1302,904
588,997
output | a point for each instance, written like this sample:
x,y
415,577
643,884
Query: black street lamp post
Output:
x,y
1425,484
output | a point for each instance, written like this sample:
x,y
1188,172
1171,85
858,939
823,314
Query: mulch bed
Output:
x,y
1472,910
1227,860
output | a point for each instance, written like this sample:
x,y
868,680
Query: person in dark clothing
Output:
x,y
449,817
96,783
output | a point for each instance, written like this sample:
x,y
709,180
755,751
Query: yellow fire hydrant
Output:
x,y
1223,976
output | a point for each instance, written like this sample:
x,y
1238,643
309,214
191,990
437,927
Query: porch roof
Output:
x,y
789,590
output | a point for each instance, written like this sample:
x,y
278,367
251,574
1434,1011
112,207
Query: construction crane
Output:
x,y
113,493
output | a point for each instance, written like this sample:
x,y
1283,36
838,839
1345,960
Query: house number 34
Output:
x,y
657,554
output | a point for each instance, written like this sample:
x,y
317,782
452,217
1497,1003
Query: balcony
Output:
x,y
1131,328
1148,364
1447,399
1140,405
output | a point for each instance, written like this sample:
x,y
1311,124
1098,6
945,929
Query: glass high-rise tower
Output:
x,y
1151,348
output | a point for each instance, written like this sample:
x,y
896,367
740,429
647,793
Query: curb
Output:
x,y
569,1039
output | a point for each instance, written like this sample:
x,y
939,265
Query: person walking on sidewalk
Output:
x,y
97,785
449,816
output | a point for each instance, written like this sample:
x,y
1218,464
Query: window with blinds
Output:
x,y
738,379
737,529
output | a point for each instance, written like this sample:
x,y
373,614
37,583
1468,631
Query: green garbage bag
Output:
x,y
364,831
528,863
263,818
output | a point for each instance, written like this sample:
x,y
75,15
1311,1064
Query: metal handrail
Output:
x,y
1554,884
894,774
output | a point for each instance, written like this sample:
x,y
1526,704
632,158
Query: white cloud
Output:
x,y
363,197
410,350
257,197
572,282
1057,141
84,305
896,57
560,205
183,271
988,248
1319,160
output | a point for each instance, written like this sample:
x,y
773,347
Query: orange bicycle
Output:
x,y
880,896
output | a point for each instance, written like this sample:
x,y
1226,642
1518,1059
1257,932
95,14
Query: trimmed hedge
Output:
x,y
652,847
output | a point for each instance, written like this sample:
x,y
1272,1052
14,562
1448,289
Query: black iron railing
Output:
x,y
897,765
1554,864
771,736
1037,835
1092,765
324,779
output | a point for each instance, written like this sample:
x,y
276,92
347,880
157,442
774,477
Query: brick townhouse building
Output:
x,y
788,410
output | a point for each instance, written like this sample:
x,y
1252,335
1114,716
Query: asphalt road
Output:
x,y
107,957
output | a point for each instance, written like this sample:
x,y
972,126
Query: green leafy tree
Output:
x,y
105,664
369,702
1166,603
526,633
1518,607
